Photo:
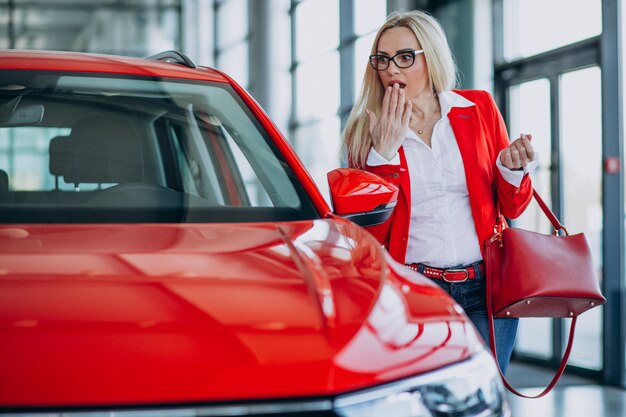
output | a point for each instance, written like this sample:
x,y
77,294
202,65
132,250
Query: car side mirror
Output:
x,y
362,197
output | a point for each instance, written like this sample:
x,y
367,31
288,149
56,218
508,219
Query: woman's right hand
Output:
x,y
388,132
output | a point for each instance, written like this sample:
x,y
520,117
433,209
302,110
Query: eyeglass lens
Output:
x,y
402,60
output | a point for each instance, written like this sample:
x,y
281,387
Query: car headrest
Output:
x,y
102,148
60,156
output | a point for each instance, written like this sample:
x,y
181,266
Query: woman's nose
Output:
x,y
392,68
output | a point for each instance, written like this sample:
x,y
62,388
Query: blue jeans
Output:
x,y
471,297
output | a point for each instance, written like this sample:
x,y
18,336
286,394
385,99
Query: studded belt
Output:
x,y
460,274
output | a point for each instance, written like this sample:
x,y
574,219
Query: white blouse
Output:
x,y
441,230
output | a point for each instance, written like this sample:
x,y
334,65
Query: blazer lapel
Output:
x,y
464,124
466,130
405,182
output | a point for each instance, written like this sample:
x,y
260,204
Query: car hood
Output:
x,y
150,314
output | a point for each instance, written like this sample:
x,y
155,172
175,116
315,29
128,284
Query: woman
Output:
x,y
450,155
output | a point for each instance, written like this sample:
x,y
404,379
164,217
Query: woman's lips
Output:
x,y
401,85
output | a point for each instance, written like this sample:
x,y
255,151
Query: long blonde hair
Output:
x,y
441,72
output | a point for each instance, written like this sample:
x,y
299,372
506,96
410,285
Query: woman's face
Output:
x,y
415,78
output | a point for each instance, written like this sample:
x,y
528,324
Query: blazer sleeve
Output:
x,y
513,200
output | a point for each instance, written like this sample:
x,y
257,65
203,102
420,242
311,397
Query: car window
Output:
x,y
91,148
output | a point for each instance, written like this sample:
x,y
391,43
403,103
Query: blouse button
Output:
x,y
395,175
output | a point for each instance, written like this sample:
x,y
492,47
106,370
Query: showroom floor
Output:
x,y
572,397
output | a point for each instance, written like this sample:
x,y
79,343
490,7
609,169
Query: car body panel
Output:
x,y
100,63
107,314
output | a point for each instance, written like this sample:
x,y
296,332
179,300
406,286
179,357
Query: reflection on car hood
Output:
x,y
147,314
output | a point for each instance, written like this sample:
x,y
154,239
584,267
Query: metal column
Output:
x,y
614,350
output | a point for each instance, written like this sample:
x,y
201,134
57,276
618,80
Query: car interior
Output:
x,y
105,155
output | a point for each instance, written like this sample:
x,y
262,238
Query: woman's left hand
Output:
x,y
519,153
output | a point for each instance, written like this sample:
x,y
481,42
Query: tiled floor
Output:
x,y
572,401
572,397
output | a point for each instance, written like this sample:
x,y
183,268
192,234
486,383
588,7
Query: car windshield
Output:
x,y
113,149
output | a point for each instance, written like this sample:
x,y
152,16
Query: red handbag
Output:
x,y
531,274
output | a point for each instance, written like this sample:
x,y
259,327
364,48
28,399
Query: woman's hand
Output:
x,y
519,153
388,131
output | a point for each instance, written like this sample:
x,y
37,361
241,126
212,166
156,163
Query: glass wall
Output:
x,y
581,156
231,39
368,17
535,26
133,27
529,105
579,150
280,111
556,96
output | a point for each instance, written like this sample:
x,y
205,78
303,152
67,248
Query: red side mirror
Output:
x,y
361,196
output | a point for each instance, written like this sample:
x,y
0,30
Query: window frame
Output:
x,y
602,51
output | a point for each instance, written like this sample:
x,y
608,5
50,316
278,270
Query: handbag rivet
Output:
x,y
508,313
571,314
592,303
527,301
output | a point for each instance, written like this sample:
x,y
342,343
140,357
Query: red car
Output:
x,y
164,252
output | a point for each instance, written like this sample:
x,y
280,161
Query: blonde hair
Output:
x,y
442,74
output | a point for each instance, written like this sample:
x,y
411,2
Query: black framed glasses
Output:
x,y
404,59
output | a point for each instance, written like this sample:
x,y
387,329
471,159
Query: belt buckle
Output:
x,y
465,278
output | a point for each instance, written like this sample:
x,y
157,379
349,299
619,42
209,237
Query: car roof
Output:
x,y
111,64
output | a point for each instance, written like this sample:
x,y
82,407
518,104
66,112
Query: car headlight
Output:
x,y
470,388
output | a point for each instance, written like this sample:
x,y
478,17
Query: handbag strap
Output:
x,y
492,343
556,224
549,214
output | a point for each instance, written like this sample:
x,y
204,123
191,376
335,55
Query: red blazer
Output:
x,y
481,135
